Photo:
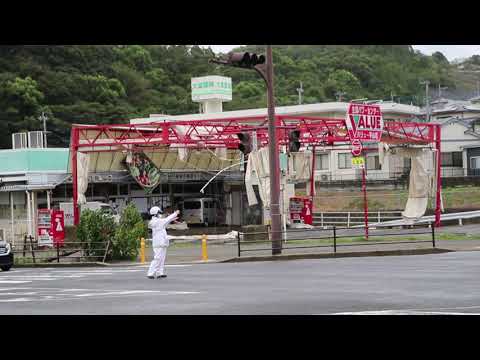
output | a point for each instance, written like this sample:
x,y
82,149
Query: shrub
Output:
x,y
127,236
94,231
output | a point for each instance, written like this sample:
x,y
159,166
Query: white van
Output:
x,y
200,211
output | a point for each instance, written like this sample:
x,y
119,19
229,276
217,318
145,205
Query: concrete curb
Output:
x,y
338,255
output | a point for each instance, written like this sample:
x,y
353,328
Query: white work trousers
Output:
x,y
157,267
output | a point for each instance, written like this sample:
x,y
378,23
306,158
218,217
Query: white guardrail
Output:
x,y
349,218
430,219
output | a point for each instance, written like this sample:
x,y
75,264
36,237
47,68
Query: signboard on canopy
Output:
x,y
364,122
144,171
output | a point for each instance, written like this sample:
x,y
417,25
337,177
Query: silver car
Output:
x,y
6,255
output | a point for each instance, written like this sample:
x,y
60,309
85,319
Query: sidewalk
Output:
x,y
219,253
191,253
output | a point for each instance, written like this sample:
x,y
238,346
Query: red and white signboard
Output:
x,y
58,227
44,224
364,122
51,227
356,147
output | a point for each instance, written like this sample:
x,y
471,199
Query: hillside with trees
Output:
x,y
113,83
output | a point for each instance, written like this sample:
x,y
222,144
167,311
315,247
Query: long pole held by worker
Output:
x,y
273,160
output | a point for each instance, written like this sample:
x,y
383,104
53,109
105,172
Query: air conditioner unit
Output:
x,y
324,177
35,139
19,141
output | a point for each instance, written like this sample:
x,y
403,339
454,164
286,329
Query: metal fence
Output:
x,y
335,237
30,252
349,218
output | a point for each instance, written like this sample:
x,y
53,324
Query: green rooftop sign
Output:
x,y
211,88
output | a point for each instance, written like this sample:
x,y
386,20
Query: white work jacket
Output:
x,y
159,234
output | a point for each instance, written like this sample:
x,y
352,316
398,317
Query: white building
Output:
x,y
460,124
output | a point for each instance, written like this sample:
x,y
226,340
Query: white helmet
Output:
x,y
155,210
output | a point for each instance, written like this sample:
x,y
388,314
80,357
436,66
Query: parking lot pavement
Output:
x,y
425,284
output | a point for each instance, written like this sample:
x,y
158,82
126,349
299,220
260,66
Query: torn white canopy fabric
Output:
x,y
249,181
300,166
257,173
83,162
221,153
419,185
384,152
182,152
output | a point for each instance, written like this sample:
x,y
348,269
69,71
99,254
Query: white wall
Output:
x,y
454,138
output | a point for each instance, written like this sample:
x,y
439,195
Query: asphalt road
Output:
x,y
422,284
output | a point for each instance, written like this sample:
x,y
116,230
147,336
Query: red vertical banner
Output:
x,y
365,201
58,227
307,211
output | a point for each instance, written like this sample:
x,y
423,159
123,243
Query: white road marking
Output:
x,y
18,293
404,312
13,282
15,288
15,300
56,294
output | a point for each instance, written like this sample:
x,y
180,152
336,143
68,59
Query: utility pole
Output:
x,y
391,95
264,67
300,92
44,118
427,102
440,88
339,95
274,160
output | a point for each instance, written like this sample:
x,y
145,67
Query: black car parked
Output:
x,y
6,256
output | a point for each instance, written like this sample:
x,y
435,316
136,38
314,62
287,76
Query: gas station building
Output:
x,y
38,177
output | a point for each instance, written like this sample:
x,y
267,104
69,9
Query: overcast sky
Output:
x,y
452,52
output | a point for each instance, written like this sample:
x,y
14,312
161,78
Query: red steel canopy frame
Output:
x,y
221,133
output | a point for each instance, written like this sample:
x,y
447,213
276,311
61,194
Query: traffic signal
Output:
x,y
241,59
245,145
245,60
294,141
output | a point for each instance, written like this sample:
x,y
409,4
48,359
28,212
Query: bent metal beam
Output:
x,y
221,133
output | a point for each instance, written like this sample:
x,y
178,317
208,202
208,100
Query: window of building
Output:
x,y
475,162
453,159
476,127
373,162
345,161
321,161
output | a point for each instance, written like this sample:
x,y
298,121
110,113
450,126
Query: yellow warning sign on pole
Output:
x,y
358,162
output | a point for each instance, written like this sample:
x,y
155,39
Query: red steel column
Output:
x,y
312,179
74,149
439,175
365,203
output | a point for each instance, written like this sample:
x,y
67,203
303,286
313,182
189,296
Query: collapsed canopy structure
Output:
x,y
173,136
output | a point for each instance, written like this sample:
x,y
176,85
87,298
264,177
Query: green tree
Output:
x,y
128,234
343,81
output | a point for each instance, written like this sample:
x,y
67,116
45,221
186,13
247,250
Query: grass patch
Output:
x,y
372,239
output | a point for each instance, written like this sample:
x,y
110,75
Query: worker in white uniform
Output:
x,y
160,241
